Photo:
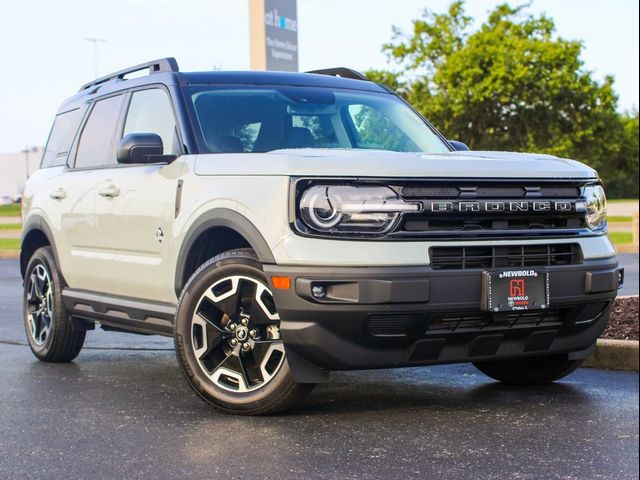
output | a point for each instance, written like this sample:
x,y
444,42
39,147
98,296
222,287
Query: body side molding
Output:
x,y
125,313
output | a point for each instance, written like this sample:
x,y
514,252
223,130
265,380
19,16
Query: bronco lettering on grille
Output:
x,y
501,206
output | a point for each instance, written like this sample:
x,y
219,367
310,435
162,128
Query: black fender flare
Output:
x,y
220,217
37,223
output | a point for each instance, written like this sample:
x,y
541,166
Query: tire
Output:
x,y
46,320
225,306
530,371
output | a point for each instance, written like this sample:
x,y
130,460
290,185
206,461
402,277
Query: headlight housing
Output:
x,y
349,209
595,207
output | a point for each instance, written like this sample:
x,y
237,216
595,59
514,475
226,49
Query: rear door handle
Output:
x,y
58,194
109,191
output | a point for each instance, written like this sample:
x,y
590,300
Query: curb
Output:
x,y
9,253
614,355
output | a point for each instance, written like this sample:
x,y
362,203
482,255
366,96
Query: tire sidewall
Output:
x,y
203,279
44,257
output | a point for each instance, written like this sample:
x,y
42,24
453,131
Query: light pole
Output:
x,y
26,159
95,42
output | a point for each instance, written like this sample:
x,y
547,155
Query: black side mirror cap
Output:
x,y
459,146
141,148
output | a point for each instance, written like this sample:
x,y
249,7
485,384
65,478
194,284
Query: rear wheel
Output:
x,y
228,338
46,320
530,371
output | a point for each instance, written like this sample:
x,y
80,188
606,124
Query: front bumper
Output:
x,y
379,317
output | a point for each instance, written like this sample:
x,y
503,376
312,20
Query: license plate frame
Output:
x,y
515,290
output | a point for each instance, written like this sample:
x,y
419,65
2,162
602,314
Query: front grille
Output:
x,y
491,208
457,258
460,223
385,325
591,312
491,191
478,322
438,324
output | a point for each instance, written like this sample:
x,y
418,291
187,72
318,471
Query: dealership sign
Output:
x,y
274,34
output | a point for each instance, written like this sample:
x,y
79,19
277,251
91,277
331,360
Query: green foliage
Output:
x,y
11,244
12,210
377,131
10,226
389,79
512,84
621,238
622,166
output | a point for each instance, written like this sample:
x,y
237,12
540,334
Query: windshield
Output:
x,y
234,120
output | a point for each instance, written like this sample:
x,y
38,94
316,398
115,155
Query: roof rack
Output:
x,y
168,64
340,72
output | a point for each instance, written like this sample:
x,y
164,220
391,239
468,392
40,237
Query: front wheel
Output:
x,y
227,338
529,371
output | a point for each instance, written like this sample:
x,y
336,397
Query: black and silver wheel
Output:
x,y
39,304
46,321
531,370
228,338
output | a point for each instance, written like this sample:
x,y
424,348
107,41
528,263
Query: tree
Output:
x,y
512,84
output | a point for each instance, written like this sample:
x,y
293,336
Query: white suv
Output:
x,y
283,225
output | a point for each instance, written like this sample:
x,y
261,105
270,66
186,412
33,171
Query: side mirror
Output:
x,y
459,146
140,148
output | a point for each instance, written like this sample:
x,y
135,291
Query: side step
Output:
x,y
121,313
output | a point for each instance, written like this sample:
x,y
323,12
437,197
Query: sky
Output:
x,y
45,57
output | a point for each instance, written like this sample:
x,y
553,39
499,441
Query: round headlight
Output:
x,y
321,208
596,205
352,209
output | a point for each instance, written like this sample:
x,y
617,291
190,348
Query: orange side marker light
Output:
x,y
281,282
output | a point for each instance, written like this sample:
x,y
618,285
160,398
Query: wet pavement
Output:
x,y
122,410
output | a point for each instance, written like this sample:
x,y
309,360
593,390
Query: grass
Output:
x,y
622,200
10,226
12,244
619,219
621,238
12,210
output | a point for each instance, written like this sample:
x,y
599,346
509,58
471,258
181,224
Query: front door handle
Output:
x,y
58,194
109,191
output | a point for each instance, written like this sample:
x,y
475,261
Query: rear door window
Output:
x,y
96,145
61,137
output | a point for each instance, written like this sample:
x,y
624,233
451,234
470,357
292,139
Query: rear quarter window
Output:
x,y
96,144
60,139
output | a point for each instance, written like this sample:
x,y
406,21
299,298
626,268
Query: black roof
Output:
x,y
278,78
165,71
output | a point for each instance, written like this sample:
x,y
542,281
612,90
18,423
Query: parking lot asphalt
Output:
x,y
122,410
630,263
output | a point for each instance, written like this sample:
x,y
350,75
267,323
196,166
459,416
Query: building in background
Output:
x,y
15,168
273,30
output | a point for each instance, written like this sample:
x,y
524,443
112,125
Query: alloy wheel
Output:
x,y
235,334
40,304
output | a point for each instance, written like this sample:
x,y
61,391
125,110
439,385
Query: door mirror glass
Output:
x,y
459,146
141,148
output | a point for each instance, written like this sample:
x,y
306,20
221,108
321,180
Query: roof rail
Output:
x,y
168,64
340,72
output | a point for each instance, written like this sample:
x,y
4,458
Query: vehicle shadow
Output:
x,y
120,377
446,391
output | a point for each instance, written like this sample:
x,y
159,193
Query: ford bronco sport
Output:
x,y
283,225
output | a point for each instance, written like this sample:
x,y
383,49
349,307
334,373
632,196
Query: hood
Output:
x,y
378,163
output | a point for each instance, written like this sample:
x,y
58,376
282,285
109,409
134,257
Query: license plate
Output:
x,y
514,290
